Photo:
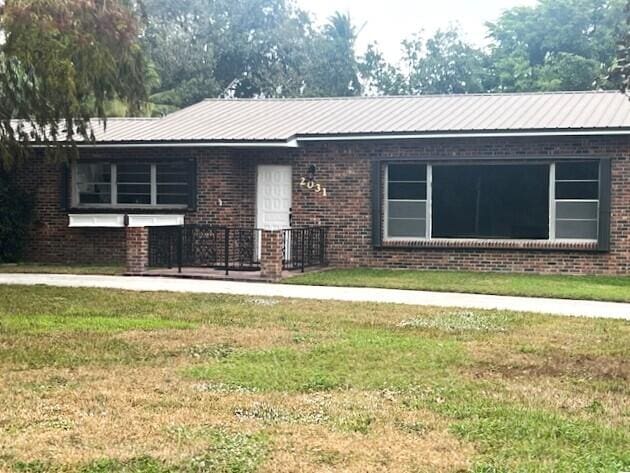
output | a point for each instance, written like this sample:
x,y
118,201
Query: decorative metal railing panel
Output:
x,y
207,246
304,247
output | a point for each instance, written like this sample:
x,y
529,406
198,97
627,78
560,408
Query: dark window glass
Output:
x,y
172,183
407,172
577,190
407,190
491,201
133,183
577,170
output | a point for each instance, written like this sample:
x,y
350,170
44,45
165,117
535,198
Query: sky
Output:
x,y
390,21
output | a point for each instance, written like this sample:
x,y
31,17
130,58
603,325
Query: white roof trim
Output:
x,y
212,144
415,136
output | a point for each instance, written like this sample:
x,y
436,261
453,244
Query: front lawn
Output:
x,y
604,288
95,380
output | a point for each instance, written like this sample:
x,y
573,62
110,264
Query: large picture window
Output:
x,y
131,184
491,201
520,201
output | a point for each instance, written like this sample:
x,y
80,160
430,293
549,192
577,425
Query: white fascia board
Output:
x,y
154,220
96,220
249,144
371,137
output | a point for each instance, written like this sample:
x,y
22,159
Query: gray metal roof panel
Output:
x,y
283,119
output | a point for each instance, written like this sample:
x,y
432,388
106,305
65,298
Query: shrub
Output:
x,y
16,211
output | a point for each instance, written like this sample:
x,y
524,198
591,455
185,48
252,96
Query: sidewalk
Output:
x,y
438,299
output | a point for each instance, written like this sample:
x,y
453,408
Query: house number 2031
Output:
x,y
312,185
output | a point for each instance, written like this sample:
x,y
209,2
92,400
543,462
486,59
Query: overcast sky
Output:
x,y
390,21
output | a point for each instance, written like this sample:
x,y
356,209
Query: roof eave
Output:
x,y
465,134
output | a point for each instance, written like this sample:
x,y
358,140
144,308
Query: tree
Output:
x,y
204,48
333,67
444,64
555,45
61,62
620,71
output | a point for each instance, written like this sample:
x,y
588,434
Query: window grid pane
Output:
x,y
93,183
577,200
406,201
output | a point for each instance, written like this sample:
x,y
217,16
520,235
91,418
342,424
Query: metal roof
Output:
x,y
292,120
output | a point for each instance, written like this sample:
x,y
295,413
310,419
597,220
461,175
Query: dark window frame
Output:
x,y
188,164
379,198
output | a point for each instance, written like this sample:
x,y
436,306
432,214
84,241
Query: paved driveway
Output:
x,y
439,299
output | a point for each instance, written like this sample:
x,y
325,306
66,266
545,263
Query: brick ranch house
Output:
x,y
535,182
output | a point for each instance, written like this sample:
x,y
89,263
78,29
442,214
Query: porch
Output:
x,y
227,253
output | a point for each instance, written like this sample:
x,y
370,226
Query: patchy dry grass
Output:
x,y
95,381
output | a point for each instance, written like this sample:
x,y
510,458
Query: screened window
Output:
x,y
576,200
132,184
407,201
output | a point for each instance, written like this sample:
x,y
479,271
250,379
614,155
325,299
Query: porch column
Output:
x,y
271,254
137,239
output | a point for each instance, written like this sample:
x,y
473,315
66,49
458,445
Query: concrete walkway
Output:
x,y
439,299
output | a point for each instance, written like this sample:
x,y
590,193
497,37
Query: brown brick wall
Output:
x,y
271,254
137,245
229,176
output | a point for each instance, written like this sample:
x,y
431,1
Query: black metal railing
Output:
x,y
304,247
208,246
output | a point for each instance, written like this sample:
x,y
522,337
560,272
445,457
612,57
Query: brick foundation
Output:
x,y
271,254
226,189
137,256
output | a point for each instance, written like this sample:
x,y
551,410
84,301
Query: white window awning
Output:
x,y
155,220
96,220
118,220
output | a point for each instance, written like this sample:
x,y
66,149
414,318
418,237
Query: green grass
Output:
x,y
364,359
604,288
56,323
514,437
110,270
115,381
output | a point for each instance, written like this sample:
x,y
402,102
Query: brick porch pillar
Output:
x,y
137,239
271,254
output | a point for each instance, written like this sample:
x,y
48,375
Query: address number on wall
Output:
x,y
314,186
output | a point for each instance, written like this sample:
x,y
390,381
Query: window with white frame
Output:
x,y
406,201
131,184
576,200
520,201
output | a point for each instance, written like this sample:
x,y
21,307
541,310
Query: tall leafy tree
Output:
x,y
620,71
207,48
556,44
443,64
61,62
333,67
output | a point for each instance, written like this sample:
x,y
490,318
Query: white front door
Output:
x,y
273,197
